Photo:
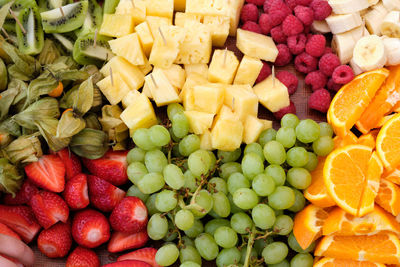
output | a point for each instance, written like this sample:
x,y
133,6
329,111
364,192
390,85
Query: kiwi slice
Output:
x,y
67,40
93,19
30,42
9,27
86,53
18,5
110,6
45,5
74,14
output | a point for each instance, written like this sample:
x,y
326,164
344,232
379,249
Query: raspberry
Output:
x,y
269,3
292,26
284,56
249,13
291,3
316,79
277,35
297,43
289,80
321,9
315,46
265,23
320,100
304,2
328,63
328,50
278,11
256,2
307,29
304,14
343,74
286,110
264,73
251,26
305,63
333,86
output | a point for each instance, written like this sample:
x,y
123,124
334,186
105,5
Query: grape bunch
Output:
x,y
233,207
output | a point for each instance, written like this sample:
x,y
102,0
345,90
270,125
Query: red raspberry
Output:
x,y
278,12
256,2
286,110
304,14
292,26
252,27
343,74
249,13
328,50
307,29
316,79
264,73
333,86
269,3
265,23
305,63
277,35
321,9
304,2
328,63
284,56
315,46
291,3
320,100
289,80
297,43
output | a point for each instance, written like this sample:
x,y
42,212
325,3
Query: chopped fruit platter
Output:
x,y
229,133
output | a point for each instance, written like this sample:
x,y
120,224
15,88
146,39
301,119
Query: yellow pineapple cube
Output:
x,y
176,76
253,128
139,114
201,69
209,97
146,67
227,134
156,22
161,8
161,89
113,89
223,67
256,45
186,93
242,100
146,91
129,98
117,25
267,124
129,48
219,28
234,10
199,121
205,140
135,8
226,113
145,37
248,70
272,94
181,18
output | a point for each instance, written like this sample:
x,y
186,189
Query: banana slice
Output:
x,y
369,53
374,17
320,26
391,4
356,69
372,2
343,22
391,24
348,6
343,43
392,50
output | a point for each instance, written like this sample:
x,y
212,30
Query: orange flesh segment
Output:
x,y
389,197
388,143
349,139
331,262
367,140
392,176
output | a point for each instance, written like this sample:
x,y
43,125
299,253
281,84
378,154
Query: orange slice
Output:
x,y
349,139
367,140
389,197
353,98
331,262
308,225
388,143
385,119
382,248
392,176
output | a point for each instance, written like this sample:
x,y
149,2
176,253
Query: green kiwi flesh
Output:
x,y
18,5
66,40
45,5
32,41
86,53
109,6
74,15
93,19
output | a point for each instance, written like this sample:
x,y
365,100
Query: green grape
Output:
x,y
234,208
302,260
323,146
213,214
166,200
190,264
172,233
266,136
228,168
180,125
190,181
206,246
155,161
277,173
229,156
283,225
134,191
253,255
297,157
221,204
278,212
228,256
263,216
245,198
282,198
213,161
237,181
199,162
205,201
195,230
135,154
173,176
176,140
255,148
260,244
214,224
217,184
299,201
141,138
151,182
189,253
241,223
173,109
187,241
252,165
159,135
225,237
275,252
274,153
307,131
286,136
283,263
184,219
189,144
312,162
136,171
290,120
167,255
151,204
263,185
293,244
157,227
299,178
325,129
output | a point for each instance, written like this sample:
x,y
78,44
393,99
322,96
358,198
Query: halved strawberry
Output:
x,y
122,241
23,196
48,173
103,195
129,216
128,263
21,220
71,162
56,241
76,192
5,230
111,167
49,208
82,257
144,254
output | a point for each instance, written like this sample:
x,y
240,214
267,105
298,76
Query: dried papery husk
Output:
x,y
6,99
16,73
10,177
20,99
67,60
11,127
93,71
24,149
5,139
89,143
62,72
84,99
3,75
4,12
92,121
48,129
120,146
69,124
49,53
42,85
97,98
113,125
67,101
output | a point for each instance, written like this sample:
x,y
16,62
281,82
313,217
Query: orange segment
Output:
x,y
367,140
382,248
308,225
388,143
353,98
349,139
331,262
393,176
389,197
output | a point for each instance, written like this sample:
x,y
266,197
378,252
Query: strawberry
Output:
x,y
71,162
23,196
144,254
49,208
82,257
56,241
48,173
5,230
76,192
21,220
111,167
128,263
122,241
103,195
90,228
129,216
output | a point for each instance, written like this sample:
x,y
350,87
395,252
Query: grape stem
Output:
x,y
249,246
193,204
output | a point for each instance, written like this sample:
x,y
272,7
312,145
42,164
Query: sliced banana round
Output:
x,y
348,6
374,17
344,43
392,47
391,4
356,69
391,24
343,22
320,26
369,53
373,2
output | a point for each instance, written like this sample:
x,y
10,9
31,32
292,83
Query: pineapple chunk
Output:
x,y
248,71
272,94
186,93
267,124
219,28
235,8
156,22
117,25
208,98
180,5
135,8
182,18
227,134
256,45
199,121
226,113
205,140
146,67
242,100
131,74
146,91
176,76
129,48
223,67
113,90
145,37
253,128
129,98
161,8
139,114
161,89
201,69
